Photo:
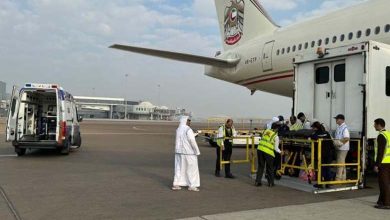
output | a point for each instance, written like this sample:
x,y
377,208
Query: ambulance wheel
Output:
x,y
20,151
79,141
66,148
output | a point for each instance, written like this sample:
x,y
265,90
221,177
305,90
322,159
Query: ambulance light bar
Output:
x,y
41,86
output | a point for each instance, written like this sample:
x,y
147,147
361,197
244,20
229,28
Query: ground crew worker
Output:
x,y
341,143
268,144
303,120
225,131
382,164
294,125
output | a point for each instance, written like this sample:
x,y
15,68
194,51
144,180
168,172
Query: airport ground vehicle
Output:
x,y
43,116
245,128
353,80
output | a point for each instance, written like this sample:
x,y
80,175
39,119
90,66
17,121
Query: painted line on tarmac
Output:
x,y
8,155
10,205
138,129
139,133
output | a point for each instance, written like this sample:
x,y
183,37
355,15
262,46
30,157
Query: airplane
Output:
x,y
258,54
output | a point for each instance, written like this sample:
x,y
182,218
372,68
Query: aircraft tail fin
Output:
x,y
242,20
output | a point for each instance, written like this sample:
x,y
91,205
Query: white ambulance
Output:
x,y
43,116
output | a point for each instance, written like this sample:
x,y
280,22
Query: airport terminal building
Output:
x,y
118,108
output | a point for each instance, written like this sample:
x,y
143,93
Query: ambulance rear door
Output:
x,y
13,110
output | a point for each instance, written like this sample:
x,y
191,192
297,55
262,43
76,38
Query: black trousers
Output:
x,y
265,160
384,185
226,155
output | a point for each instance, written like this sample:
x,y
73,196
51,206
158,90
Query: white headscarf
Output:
x,y
183,121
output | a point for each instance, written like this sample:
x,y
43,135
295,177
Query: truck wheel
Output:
x,y
20,151
66,148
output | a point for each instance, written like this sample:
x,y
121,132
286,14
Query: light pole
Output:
x,y
158,93
158,101
126,76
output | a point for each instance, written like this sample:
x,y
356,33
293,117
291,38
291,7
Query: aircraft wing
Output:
x,y
180,56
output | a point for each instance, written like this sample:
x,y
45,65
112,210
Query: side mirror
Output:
x,y
80,119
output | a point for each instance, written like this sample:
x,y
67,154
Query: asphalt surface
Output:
x,y
124,170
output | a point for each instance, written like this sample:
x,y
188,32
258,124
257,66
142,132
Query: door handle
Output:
x,y
327,94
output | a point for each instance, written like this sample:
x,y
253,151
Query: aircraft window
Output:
x,y
388,81
339,73
288,49
283,51
334,39
342,37
387,28
368,32
300,47
277,52
319,42
377,30
294,48
322,75
350,36
358,34
327,41
313,43
306,45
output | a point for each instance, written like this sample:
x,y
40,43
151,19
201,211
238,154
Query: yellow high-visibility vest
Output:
x,y
297,126
220,140
267,141
386,156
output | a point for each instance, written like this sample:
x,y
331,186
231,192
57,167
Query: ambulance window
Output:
x,y
313,43
368,32
294,48
388,81
350,36
358,34
377,30
327,41
342,37
306,45
300,47
322,75
387,28
334,39
339,73
13,107
319,42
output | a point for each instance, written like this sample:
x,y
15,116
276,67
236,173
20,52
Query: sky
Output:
x,y
66,42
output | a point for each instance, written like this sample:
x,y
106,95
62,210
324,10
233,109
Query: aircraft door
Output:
x,y
322,93
267,55
12,118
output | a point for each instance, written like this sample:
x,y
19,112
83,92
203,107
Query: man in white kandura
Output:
x,y
186,157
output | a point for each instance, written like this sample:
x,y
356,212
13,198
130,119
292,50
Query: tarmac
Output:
x,y
124,170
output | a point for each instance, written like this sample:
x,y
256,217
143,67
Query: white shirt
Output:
x,y
341,133
306,124
276,145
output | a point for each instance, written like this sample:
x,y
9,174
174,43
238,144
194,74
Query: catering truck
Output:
x,y
43,116
352,80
